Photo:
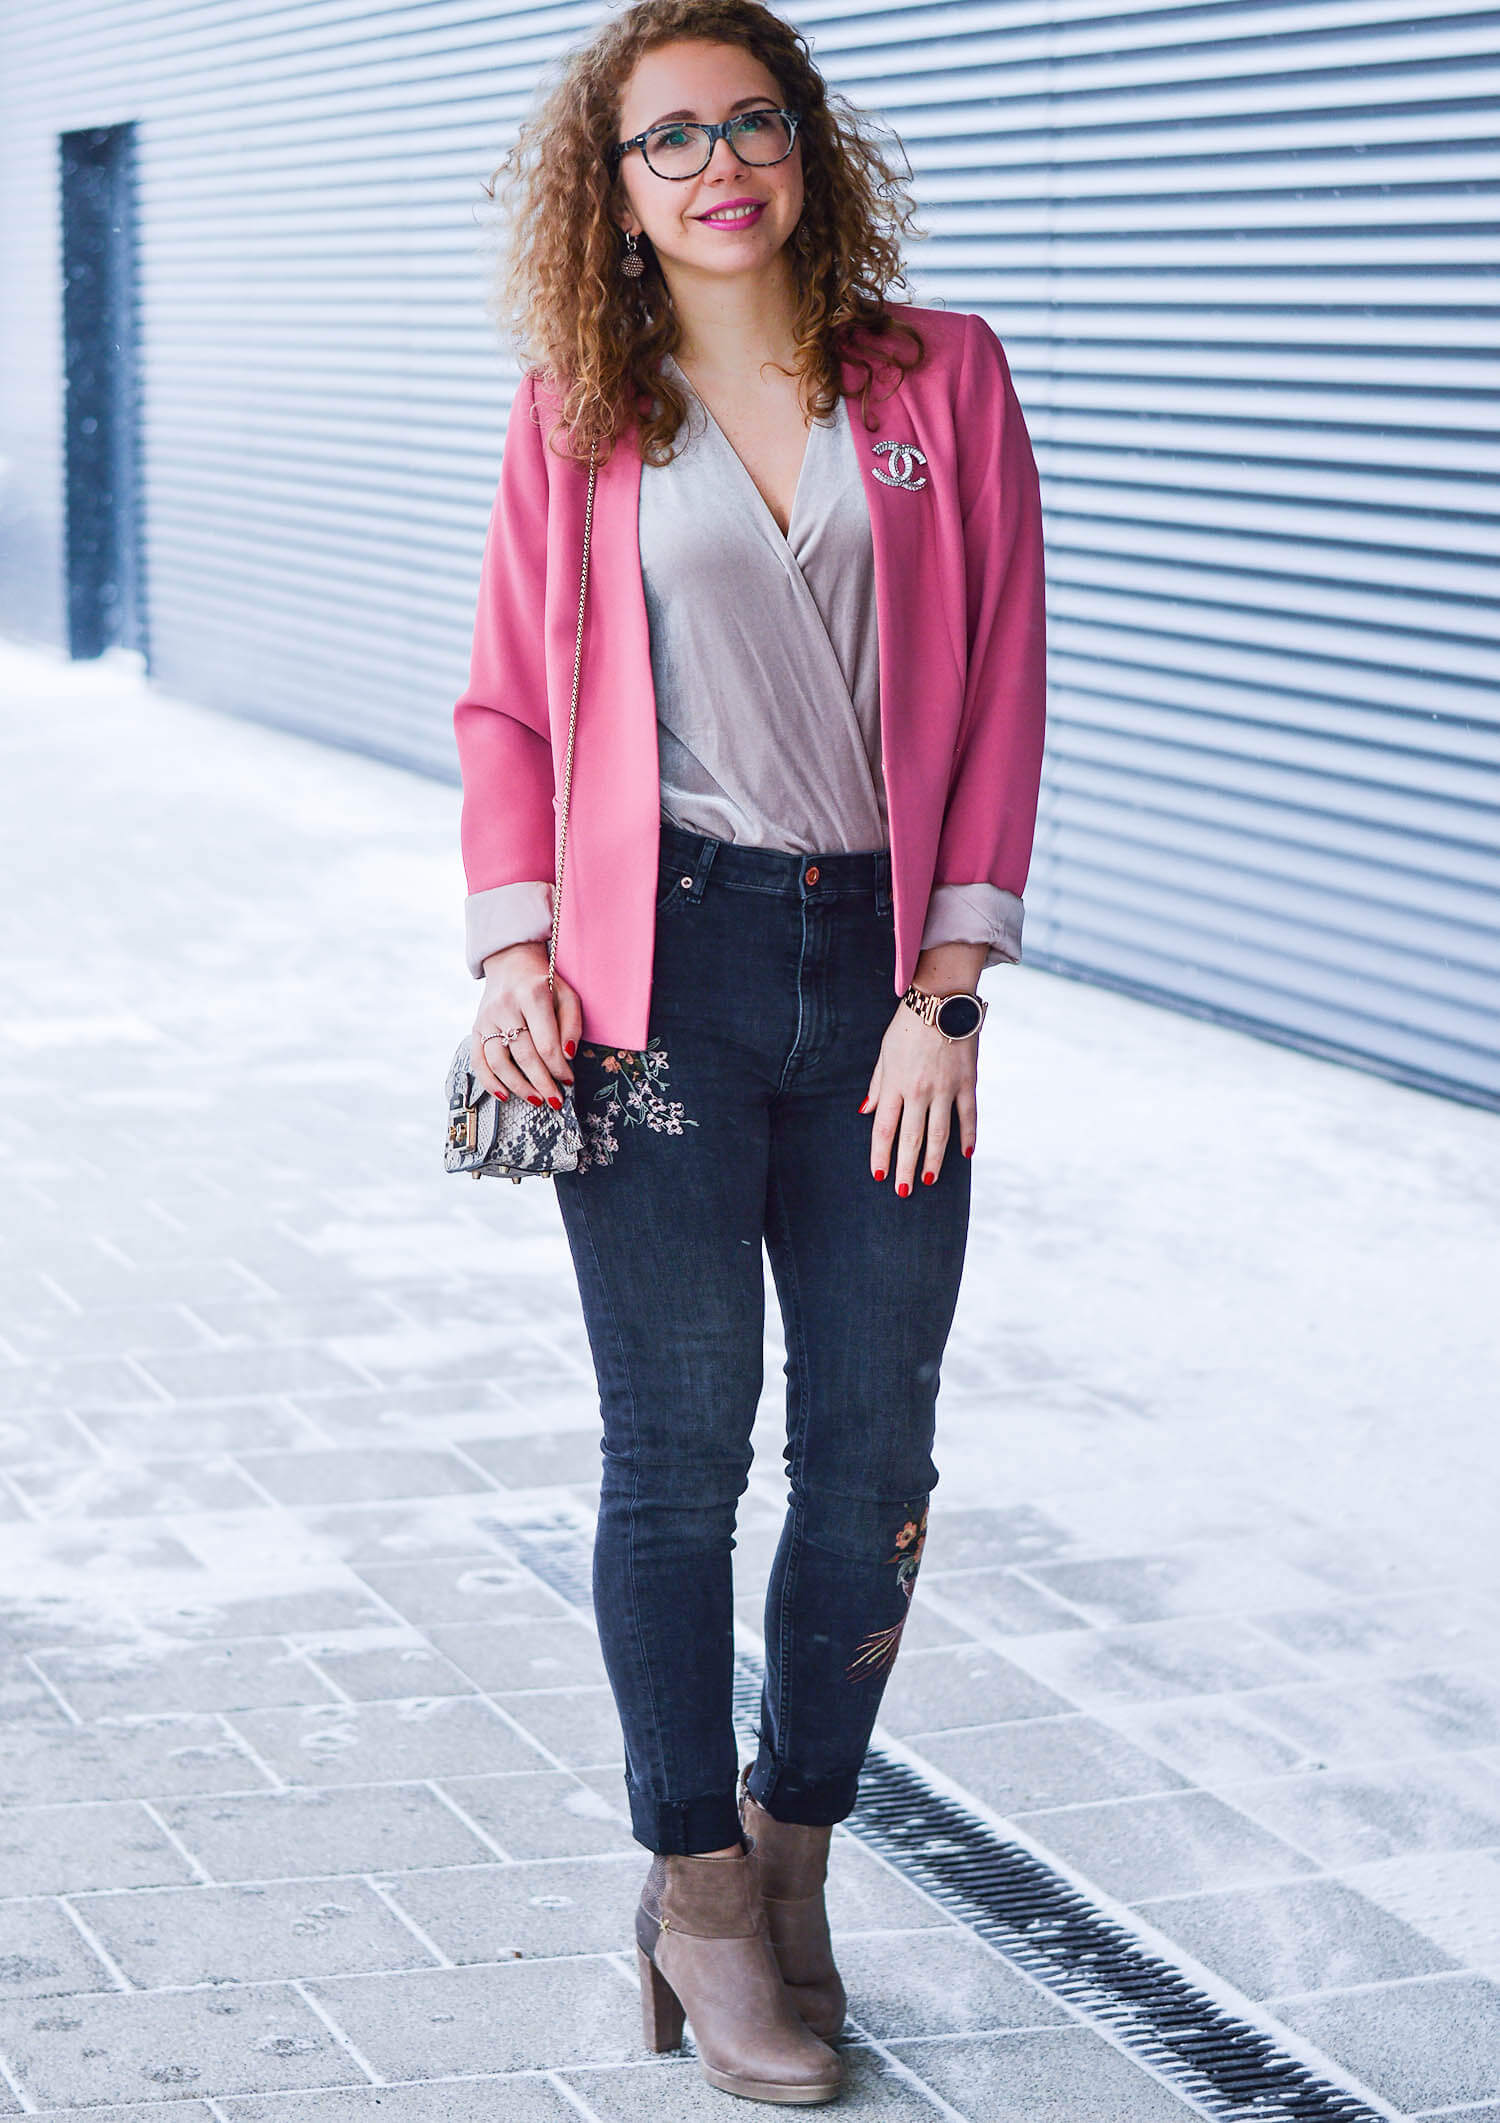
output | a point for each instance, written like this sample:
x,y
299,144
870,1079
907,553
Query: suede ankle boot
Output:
x,y
704,1952
793,1869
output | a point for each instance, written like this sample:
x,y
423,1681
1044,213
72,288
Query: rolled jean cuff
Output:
x,y
815,1802
684,1827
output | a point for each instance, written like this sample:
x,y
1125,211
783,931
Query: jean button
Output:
x,y
812,875
686,883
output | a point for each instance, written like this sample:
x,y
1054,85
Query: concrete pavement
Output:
x,y
309,1784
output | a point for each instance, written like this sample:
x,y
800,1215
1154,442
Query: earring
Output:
x,y
632,265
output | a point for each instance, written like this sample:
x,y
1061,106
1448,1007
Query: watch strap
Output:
x,y
925,1005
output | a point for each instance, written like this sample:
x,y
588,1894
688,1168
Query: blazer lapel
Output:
x,y
907,492
617,695
913,525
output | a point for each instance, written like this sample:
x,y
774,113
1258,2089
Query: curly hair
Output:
x,y
596,337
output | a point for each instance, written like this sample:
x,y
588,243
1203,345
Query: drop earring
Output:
x,y
632,265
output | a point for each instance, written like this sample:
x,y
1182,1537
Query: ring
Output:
x,y
514,1033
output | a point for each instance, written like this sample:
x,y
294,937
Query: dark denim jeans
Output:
x,y
740,1125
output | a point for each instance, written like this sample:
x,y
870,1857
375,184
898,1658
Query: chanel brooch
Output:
x,y
901,469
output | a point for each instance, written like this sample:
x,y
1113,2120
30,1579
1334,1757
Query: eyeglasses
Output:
x,y
684,148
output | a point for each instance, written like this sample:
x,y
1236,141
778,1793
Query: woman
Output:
x,y
804,791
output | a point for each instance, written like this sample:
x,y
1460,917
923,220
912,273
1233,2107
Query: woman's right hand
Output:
x,y
535,1065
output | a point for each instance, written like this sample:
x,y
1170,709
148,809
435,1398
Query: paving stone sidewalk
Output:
x,y
310,1801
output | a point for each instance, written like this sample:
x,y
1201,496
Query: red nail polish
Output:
x,y
502,1094
555,1104
571,1048
903,1188
969,1152
863,1103
880,1175
532,1099
928,1178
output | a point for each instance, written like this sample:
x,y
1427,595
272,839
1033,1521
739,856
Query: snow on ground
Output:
x,y
1210,1607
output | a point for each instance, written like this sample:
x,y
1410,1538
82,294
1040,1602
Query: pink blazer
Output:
x,y
956,529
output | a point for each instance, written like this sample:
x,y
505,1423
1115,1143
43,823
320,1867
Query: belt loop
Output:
x,y
882,881
706,853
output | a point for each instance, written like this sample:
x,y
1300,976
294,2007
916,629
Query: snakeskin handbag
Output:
x,y
509,1138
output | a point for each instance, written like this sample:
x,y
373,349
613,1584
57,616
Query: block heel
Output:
x,y
662,2015
704,1952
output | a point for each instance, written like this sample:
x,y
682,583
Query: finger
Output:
x,y
526,1052
871,1098
569,1018
939,1116
479,1054
883,1135
968,1120
502,1062
909,1148
521,1069
547,1035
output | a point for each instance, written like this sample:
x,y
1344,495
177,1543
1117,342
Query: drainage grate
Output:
x,y
1040,1923
1046,1927
557,1547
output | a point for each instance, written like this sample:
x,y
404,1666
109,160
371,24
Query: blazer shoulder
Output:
x,y
939,327
942,333
983,386
523,403
535,415
964,353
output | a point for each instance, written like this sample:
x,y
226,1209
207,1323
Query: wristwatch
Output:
x,y
955,1016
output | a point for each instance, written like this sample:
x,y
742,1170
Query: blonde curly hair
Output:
x,y
597,337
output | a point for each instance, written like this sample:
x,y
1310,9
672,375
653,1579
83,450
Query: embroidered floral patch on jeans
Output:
x,y
633,1093
879,1650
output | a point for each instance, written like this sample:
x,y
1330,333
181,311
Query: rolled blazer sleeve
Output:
x,y
500,721
975,914
990,819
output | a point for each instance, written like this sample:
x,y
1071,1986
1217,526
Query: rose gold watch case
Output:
x,y
926,1006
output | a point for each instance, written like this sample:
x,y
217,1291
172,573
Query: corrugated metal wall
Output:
x,y
1242,256
1244,259
325,399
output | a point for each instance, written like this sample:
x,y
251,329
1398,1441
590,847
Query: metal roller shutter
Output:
x,y
324,397
1244,260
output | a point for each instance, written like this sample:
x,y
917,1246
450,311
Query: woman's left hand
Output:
x,y
920,1077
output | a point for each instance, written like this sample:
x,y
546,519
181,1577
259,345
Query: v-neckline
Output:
x,y
784,537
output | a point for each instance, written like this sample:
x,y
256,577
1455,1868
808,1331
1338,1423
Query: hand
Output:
x,y
920,1077
535,1064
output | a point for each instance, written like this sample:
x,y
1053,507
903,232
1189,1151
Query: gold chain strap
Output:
x,y
562,845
